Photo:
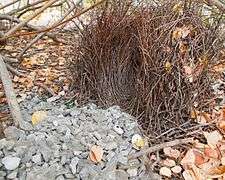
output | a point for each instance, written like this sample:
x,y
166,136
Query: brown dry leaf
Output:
x,y
178,8
213,138
211,163
164,171
177,33
211,153
183,48
96,153
203,117
217,170
192,157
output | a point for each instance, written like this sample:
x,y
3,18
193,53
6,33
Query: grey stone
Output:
x,y
118,130
12,132
3,143
73,165
60,177
69,176
2,173
37,158
11,162
132,172
26,126
12,175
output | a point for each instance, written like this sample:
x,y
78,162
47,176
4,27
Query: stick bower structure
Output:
x,y
153,60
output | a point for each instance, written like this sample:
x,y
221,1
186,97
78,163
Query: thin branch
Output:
x,y
10,35
23,23
25,7
9,4
32,27
161,146
216,3
14,71
10,94
39,36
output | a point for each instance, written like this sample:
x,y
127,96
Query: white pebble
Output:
x,y
11,162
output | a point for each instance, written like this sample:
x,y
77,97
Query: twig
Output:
x,y
10,35
32,27
161,146
9,4
39,36
25,7
10,94
14,71
216,3
43,86
32,8
23,23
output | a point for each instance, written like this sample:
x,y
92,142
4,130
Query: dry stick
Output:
x,y
32,27
6,36
9,4
216,3
10,94
14,71
39,36
161,146
37,7
21,24
25,7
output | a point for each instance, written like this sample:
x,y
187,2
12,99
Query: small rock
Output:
x,y
2,173
118,130
12,175
69,176
60,177
176,169
164,171
37,158
132,172
11,162
73,165
169,162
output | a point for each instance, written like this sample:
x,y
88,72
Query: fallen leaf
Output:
x,y
170,152
217,170
96,153
213,138
168,66
192,157
177,33
169,162
178,8
137,141
203,118
38,116
223,160
164,171
176,169
210,152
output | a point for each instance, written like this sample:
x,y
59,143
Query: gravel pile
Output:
x,y
58,147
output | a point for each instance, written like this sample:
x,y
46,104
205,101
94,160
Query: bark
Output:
x,y
10,94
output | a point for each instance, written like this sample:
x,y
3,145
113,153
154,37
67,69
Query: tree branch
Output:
x,y
10,94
